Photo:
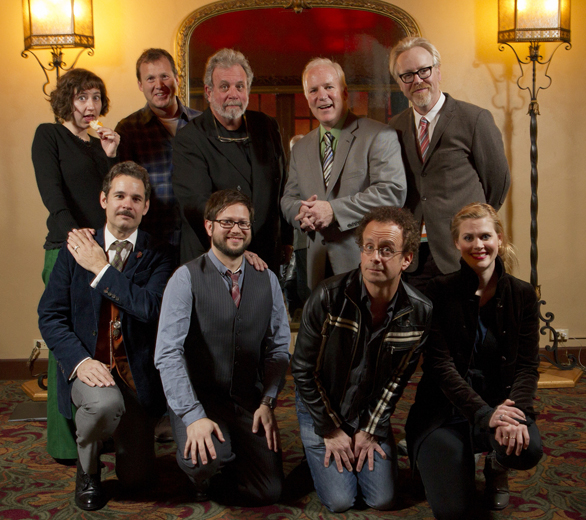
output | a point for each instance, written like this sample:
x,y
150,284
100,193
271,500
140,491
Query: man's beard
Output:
x,y
222,246
422,99
236,111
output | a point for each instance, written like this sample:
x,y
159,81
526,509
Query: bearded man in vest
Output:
x,y
99,316
222,351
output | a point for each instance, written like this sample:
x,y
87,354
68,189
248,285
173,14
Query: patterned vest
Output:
x,y
225,346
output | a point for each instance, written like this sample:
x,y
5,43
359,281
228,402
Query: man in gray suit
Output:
x,y
338,172
453,153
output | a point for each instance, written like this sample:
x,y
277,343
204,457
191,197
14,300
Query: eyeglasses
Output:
x,y
244,225
423,73
383,252
223,139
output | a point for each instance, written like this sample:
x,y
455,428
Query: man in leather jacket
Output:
x,y
359,342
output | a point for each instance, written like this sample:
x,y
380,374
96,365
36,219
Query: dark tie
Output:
x,y
119,246
328,157
423,137
235,288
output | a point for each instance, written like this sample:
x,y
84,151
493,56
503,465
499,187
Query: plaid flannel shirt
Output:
x,y
146,141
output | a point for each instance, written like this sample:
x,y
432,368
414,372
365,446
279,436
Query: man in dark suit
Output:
x,y
229,147
453,153
99,316
338,172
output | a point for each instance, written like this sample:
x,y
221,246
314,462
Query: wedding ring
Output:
x,y
506,437
77,247
501,417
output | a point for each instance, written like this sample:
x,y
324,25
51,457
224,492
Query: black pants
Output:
x,y
244,458
446,463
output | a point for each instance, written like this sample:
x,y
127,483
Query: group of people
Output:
x,y
406,256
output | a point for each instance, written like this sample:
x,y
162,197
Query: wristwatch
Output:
x,y
271,402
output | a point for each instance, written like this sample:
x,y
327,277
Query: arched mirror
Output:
x,y
280,36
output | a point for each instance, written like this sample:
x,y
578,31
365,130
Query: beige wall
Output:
x,y
473,70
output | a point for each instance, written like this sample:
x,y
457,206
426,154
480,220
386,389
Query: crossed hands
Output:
x,y
509,432
349,450
314,214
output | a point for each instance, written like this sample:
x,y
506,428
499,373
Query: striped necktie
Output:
x,y
328,157
235,287
423,137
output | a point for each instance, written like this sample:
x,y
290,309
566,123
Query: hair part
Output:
x,y
319,62
478,210
401,217
408,43
71,83
225,59
220,200
150,56
131,169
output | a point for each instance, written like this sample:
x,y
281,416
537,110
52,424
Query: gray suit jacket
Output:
x,y
367,173
465,163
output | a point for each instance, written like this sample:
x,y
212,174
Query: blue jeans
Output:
x,y
338,491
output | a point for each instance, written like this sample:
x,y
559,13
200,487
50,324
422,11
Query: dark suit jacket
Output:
x,y
465,163
203,165
69,313
367,173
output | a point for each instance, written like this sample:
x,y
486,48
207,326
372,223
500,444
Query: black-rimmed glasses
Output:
x,y
223,139
384,252
423,73
244,225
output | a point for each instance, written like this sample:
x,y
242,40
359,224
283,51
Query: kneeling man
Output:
x,y
359,342
99,316
222,350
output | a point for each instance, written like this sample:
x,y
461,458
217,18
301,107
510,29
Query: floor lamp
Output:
x,y
535,22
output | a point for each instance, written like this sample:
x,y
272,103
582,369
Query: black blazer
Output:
x,y
203,165
450,347
69,314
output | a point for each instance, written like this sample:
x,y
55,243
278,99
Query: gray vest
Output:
x,y
225,345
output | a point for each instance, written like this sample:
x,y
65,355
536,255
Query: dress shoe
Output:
x,y
163,430
202,491
497,483
89,494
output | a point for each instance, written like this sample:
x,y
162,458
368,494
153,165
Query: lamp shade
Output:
x,y
534,21
58,23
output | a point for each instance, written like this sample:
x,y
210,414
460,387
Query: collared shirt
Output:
x,y
432,116
145,140
363,371
335,131
109,239
174,325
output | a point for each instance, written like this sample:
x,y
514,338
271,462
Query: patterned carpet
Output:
x,y
33,486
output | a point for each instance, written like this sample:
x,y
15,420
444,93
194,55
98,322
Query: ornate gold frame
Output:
x,y
404,19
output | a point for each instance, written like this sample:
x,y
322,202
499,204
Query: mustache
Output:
x,y
233,104
126,213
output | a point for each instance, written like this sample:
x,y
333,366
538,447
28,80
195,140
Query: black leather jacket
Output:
x,y
327,341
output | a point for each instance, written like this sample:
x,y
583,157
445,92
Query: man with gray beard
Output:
x,y
229,147
453,154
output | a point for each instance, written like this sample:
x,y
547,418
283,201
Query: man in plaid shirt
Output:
x,y
146,137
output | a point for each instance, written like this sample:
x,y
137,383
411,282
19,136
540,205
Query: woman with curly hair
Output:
x,y
69,167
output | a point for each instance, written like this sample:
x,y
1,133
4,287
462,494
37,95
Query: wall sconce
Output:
x,y
57,24
536,21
